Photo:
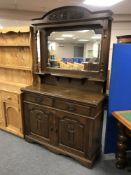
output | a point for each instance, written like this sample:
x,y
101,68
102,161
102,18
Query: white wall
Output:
x,y
88,47
118,29
120,26
19,15
67,51
91,49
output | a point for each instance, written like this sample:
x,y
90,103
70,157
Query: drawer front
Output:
x,y
40,99
10,97
72,107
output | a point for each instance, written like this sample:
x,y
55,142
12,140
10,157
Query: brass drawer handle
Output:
x,y
71,107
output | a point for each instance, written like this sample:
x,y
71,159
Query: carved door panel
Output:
x,y
12,118
38,121
71,132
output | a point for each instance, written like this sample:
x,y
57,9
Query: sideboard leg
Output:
x,y
121,161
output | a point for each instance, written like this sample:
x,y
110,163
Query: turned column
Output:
x,y
121,147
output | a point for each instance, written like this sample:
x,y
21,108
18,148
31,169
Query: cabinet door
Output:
x,y
12,118
38,121
72,132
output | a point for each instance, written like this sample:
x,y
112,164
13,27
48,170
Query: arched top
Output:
x,y
70,13
73,19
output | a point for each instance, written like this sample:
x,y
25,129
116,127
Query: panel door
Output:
x,y
12,116
38,121
71,132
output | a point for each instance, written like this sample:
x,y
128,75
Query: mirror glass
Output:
x,y
74,50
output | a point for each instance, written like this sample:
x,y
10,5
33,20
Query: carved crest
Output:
x,y
70,13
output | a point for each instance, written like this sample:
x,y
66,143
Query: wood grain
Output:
x,y
118,115
15,73
63,109
15,29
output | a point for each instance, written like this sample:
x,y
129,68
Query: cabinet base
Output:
x,y
12,132
86,162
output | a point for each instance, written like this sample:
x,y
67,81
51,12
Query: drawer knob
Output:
x,y
71,107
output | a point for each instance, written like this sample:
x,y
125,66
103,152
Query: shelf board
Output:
x,y
14,67
71,76
13,84
17,45
61,75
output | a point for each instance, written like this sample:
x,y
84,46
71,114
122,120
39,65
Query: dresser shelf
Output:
x,y
77,76
14,67
15,73
18,45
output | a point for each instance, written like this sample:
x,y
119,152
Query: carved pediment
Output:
x,y
70,13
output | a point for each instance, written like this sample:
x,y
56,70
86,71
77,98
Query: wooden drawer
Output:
x,y
72,107
37,98
10,97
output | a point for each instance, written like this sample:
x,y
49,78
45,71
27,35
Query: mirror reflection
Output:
x,y
74,50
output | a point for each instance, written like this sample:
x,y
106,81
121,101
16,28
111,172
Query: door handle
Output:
x,y
71,107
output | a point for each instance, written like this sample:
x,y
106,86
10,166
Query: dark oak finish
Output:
x,y
59,118
124,133
121,147
63,109
124,39
38,120
75,18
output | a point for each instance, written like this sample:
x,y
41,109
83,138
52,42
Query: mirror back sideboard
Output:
x,y
63,109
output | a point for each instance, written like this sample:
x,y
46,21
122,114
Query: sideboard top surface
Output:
x,y
83,96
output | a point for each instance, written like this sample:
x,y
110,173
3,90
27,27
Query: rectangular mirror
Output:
x,y
74,50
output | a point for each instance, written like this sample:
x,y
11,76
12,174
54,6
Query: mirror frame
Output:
x,y
72,18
